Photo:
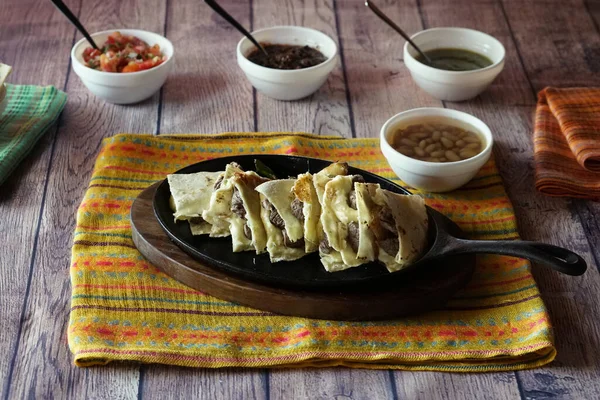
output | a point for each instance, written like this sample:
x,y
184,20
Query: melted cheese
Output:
x,y
280,193
304,190
191,193
245,184
277,250
410,218
219,211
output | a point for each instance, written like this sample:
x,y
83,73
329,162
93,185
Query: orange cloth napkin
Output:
x,y
566,142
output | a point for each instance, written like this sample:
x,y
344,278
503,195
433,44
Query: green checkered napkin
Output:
x,y
25,114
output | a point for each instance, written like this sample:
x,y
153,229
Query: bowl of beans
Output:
x,y
436,149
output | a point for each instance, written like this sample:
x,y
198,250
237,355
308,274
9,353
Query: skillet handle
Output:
x,y
558,258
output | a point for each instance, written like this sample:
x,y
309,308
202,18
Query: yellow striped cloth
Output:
x,y
123,308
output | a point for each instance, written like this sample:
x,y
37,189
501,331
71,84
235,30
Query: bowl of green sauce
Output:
x,y
464,62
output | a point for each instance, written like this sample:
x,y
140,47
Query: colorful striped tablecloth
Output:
x,y
123,308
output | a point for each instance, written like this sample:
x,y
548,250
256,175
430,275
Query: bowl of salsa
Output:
x,y
298,63
464,62
130,65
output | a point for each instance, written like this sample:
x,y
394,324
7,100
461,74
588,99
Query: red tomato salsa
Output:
x,y
122,53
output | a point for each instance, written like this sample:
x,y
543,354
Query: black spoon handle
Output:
x,y
67,13
219,10
395,27
558,258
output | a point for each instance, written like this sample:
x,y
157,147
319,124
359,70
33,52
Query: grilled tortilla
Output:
x,y
246,205
285,232
399,224
190,197
219,210
306,194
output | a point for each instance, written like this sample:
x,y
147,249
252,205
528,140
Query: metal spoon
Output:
x,y
391,23
219,10
67,13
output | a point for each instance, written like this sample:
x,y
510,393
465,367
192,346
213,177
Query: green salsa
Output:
x,y
455,59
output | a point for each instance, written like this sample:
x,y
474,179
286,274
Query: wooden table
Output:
x,y
548,42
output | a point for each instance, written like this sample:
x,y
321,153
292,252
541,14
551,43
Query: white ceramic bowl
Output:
x,y
454,85
432,176
123,88
288,84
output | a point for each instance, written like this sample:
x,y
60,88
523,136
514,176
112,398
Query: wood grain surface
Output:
x,y
548,42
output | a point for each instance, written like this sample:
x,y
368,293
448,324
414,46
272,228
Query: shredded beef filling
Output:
x,y
389,243
324,246
352,199
358,178
274,216
237,205
196,220
288,243
353,235
297,209
247,231
352,194
218,182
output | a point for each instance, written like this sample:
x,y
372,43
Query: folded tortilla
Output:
x,y
399,224
330,257
340,219
245,184
190,197
285,237
305,192
219,210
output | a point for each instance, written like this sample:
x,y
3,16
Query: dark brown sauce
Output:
x,y
287,56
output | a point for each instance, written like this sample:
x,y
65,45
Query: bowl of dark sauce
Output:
x,y
464,62
298,63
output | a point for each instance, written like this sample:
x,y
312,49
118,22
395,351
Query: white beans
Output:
x,y
436,142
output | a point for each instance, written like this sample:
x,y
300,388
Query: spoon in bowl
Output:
x,y
67,13
219,10
391,23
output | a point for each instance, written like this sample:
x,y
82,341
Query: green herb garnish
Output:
x,y
263,170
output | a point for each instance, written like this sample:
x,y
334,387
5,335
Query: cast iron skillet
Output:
x,y
446,239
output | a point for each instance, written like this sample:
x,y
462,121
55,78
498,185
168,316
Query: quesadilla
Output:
x,y
399,224
285,230
190,197
306,208
340,221
219,209
245,205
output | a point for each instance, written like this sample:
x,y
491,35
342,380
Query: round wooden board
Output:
x,y
424,290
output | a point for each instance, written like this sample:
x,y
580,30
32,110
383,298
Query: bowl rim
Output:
x,y
74,58
437,112
288,71
455,29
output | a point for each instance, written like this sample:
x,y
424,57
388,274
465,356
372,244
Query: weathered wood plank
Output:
x,y
593,8
85,122
160,382
428,385
414,17
206,92
22,24
541,32
338,383
379,84
325,112
558,41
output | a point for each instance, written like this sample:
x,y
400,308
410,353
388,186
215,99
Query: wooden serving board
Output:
x,y
421,291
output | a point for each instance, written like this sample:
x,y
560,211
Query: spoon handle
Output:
x,y
391,23
219,10
67,13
